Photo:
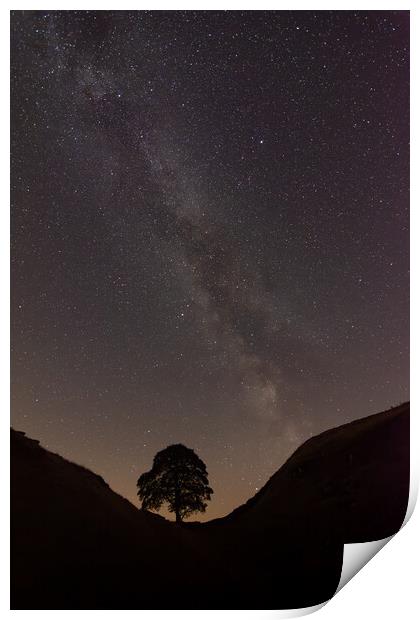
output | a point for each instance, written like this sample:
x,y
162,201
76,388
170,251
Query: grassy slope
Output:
x,y
77,544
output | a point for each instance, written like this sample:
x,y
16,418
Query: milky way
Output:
x,y
209,233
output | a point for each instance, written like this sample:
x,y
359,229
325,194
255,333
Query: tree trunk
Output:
x,y
177,507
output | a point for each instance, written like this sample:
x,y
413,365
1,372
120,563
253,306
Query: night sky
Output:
x,y
210,237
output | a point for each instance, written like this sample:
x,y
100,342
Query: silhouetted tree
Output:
x,y
179,478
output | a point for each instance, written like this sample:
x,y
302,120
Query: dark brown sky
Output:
x,y
209,234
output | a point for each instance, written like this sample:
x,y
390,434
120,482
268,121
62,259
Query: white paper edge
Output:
x,y
355,557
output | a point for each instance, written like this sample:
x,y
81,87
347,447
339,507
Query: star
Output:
x,y
172,278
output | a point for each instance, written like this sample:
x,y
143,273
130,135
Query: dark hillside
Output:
x,y
77,544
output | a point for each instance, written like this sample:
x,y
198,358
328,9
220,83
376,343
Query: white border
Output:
x,y
388,587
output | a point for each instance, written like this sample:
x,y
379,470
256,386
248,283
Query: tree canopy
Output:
x,y
178,478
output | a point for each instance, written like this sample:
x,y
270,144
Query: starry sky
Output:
x,y
209,227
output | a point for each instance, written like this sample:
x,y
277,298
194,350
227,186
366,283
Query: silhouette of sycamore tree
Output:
x,y
179,478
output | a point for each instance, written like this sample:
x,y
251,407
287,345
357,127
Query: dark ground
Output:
x,y
75,544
